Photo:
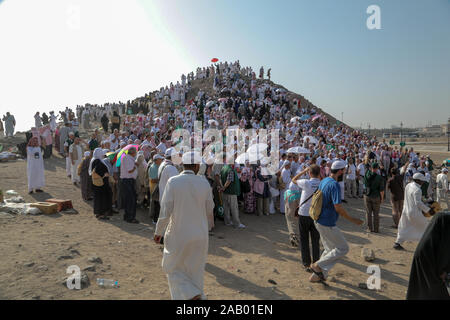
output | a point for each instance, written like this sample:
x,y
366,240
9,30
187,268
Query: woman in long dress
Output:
x,y
140,180
247,174
85,178
35,166
103,194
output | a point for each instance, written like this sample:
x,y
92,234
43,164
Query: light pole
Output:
x,y
342,117
401,132
448,134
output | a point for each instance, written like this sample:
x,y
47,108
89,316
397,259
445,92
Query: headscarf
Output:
x,y
108,165
34,142
98,155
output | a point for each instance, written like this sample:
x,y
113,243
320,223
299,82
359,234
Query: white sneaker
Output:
x,y
241,226
228,224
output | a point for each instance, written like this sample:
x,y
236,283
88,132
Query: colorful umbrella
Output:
x,y
214,60
112,156
124,151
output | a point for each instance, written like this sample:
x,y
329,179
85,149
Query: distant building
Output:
x,y
434,130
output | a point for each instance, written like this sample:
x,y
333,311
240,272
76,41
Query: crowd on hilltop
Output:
x,y
128,161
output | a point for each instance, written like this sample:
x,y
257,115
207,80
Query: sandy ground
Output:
x,y
36,251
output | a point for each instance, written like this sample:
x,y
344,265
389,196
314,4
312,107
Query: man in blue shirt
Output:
x,y
333,241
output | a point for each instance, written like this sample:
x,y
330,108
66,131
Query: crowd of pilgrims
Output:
x,y
232,97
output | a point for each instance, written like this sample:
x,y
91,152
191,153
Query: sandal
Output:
x,y
294,241
307,268
319,274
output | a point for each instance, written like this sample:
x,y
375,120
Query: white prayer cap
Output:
x,y
338,165
285,163
169,152
419,176
157,156
192,157
71,133
444,170
87,153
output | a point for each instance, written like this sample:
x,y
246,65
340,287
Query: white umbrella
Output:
x,y
210,122
257,148
298,150
311,139
250,157
209,103
294,119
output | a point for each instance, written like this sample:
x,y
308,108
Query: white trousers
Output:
x,y
334,244
68,166
74,171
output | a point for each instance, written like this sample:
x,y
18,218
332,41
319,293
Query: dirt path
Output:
x,y
36,250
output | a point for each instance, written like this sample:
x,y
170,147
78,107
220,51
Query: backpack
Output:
x,y
439,184
316,205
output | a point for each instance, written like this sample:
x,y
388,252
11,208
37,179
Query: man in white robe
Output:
x,y
185,212
35,166
63,135
412,223
442,188
37,120
53,124
10,123
166,171
76,156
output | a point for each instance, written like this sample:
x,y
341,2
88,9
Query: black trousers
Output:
x,y
128,194
156,208
307,228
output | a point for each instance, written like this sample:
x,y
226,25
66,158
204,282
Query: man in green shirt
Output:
x,y
93,143
231,190
374,196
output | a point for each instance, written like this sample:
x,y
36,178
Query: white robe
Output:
x,y
412,223
37,121
165,172
9,125
53,122
185,211
286,177
35,168
74,167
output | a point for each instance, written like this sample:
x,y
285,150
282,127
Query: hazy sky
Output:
x,y
114,50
